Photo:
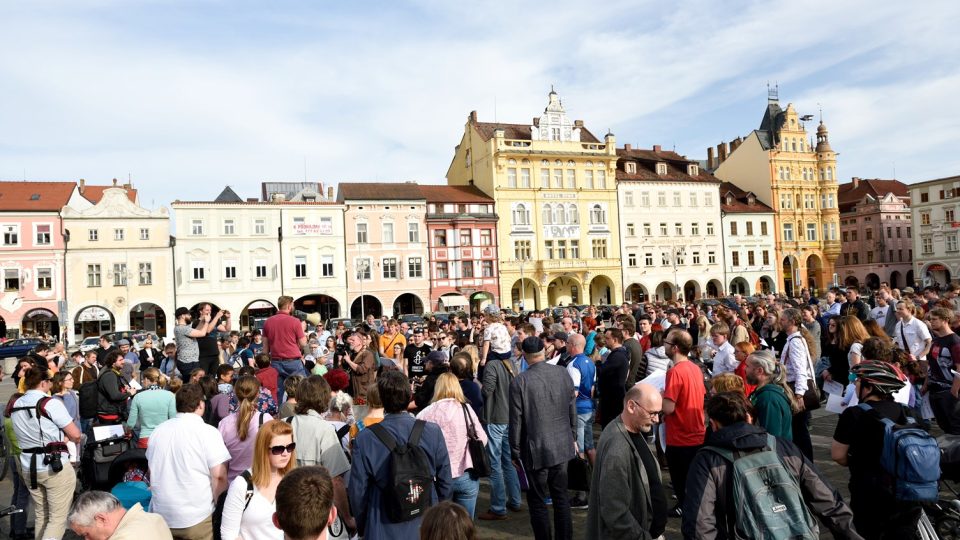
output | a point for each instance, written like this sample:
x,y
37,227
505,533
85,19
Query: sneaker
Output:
x,y
579,503
677,512
490,516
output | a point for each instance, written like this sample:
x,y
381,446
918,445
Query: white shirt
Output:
x,y
917,334
725,360
796,357
879,313
28,431
181,453
254,523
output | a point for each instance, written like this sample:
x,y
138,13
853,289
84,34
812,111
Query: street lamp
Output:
x,y
678,251
523,285
363,265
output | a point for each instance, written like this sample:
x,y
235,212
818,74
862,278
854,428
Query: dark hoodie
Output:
x,y
708,507
424,394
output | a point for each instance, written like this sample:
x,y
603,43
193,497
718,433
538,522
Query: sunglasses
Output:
x,y
279,449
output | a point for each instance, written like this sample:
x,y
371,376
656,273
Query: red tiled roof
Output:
x,y
95,193
848,195
647,160
741,201
457,194
375,191
522,132
35,196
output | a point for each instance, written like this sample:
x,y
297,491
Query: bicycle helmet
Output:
x,y
884,377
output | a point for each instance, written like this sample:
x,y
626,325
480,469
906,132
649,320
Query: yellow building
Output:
x,y
555,189
797,177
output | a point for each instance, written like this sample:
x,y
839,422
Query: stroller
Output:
x,y
96,459
945,513
129,478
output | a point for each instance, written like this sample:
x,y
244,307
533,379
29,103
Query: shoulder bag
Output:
x,y
478,454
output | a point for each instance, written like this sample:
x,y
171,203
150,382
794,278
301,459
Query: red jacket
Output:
x,y
268,379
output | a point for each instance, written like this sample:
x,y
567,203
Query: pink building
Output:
x,y
462,238
875,231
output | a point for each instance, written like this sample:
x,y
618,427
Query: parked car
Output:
x,y
15,348
114,337
412,319
332,324
89,344
140,337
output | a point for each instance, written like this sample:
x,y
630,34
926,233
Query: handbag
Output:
x,y
578,474
478,454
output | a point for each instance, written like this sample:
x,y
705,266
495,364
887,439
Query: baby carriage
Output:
x,y
129,478
96,459
945,513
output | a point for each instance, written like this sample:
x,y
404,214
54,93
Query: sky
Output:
x,y
185,97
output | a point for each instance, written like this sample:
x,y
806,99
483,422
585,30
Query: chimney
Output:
x,y
278,198
83,185
127,186
721,152
473,116
710,164
330,192
114,182
628,147
856,182
578,123
252,199
656,148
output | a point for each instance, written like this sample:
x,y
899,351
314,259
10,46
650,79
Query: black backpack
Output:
x,y
217,517
89,396
409,491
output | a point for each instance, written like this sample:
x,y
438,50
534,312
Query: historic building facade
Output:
x,y
462,239
875,231
749,246
553,183
798,179
936,247
669,213
119,263
386,248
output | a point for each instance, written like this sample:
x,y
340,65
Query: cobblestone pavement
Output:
x,y
518,525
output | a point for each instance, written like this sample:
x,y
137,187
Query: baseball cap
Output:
x,y
123,342
437,358
532,345
730,304
181,311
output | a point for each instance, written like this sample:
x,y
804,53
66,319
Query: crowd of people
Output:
x,y
384,429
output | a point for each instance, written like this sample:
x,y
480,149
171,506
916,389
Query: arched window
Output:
x,y
521,215
794,145
558,216
573,217
829,173
544,163
511,162
547,215
597,215
589,164
571,163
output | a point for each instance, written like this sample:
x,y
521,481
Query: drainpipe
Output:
x,y
173,259
63,270
280,248
723,250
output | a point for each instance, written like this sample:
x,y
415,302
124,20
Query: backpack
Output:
x,y
754,337
767,498
237,360
217,517
911,457
409,490
88,397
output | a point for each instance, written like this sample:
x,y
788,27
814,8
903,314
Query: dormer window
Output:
x,y
630,167
662,169
751,199
729,200
693,170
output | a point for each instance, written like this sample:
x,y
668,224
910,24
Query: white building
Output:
x,y
936,247
749,245
669,225
243,255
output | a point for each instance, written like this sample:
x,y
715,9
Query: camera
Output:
x,y
53,457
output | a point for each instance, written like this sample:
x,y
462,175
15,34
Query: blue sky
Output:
x,y
186,97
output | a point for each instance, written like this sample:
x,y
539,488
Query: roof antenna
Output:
x,y
495,109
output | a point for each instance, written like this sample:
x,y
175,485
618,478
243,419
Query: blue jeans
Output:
x,y
504,484
20,498
286,368
585,431
465,490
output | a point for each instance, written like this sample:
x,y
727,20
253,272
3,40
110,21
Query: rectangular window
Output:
x,y
846,258
693,200
899,255
525,178
708,199
487,268
889,232
648,259
845,236
11,235
326,265
695,229
486,237
899,235
812,232
230,227
574,249
646,230
676,198
260,268
199,271
415,267
548,248
663,229
631,230
588,178
696,257
144,234
924,218
363,269
511,177
601,179
146,273
300,266
442,272
599,248
465,237
43,235
856,257
678,229
645,198
387,233
196,227
440,237
466,268
120,275
93,235
664,258
749,228
413,233
711,257
948,214
763,228
571,179
750,259
230,269
951,242
361,233
710,229
544,178
259,226
632,260
390,268
889,256
735,258
661,198
868,234
44,279
788,232
853,235
118,235
561,249
628,198
558,178
766,257
93,275
11,279
733,228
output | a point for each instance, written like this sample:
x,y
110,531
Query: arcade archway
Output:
x,y
739,286
873,281
789,275
40,322
326,306
563,291
664,291
765,285
148,317
910,279
407,304
814,272
480,300
936,274
601,290
851,281
256,313
366,305
691,291
93,321
636,293
714,288
525,294
896,280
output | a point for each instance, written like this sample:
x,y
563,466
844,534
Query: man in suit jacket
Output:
x,y
543,424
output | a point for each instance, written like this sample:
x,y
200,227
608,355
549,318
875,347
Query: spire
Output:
x,y
823,139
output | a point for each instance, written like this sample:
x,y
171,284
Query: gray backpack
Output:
x,y
768,500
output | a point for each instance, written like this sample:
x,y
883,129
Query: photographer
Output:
x,y
40,424
208,345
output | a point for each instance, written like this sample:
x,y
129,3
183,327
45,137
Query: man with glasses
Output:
x,y
944,359
683,412
628,501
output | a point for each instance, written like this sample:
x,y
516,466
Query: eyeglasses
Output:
x,y
668,343
651,413
279,449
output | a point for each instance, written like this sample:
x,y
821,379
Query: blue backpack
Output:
x,y
911,457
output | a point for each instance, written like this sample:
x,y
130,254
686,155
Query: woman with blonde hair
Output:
x,y
474,353
727,382
274,455
851,335
704,343
449,409
239,428
151,406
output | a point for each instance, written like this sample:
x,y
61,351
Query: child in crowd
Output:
x,y
290,391
267,375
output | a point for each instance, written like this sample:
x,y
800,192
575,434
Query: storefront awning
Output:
x,y
93,313
457,300
260,304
